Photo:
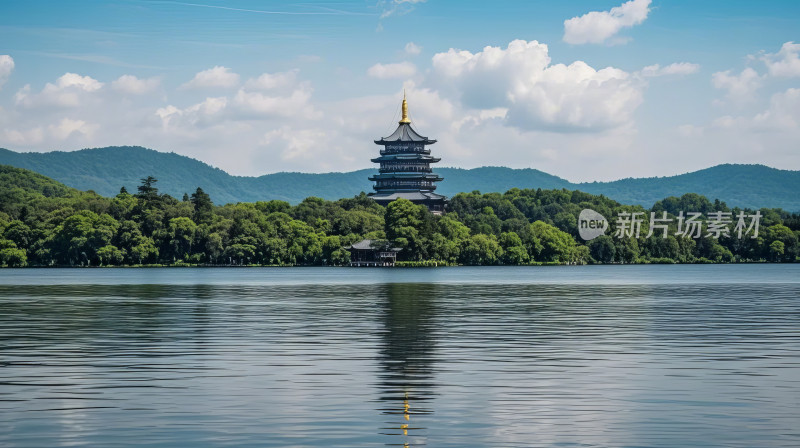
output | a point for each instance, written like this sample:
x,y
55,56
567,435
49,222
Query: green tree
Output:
x,y
214,247
203,207
273,206
147,190
404,219
13,257
143,250
602,249
19,232
481,250
627,250
557,246
359,222
514,252
240,253
777,250
181,237
78,238
785,235
110,255
340,257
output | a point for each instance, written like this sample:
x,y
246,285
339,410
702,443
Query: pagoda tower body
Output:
x,y
405,168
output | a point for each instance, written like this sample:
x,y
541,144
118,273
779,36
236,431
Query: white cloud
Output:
x,y
206,113
32,136
135,86
726,121
216,77
167,113
783,112
6,67
412,49
244,106
677,68
68,91
512,100
390,71
739,87
295,143
296,104
784,63
269,81
68,80
68,127
768,136
540,96
690,130
598,26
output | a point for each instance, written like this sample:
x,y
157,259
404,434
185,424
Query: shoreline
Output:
x,y
422,264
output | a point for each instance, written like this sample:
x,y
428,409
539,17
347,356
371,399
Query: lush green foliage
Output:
x,y
44,223
104,170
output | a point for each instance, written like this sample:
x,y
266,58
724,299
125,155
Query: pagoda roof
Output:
x,y
410,195
405,133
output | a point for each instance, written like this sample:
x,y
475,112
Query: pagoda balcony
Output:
x,y
420,150
391,183
406,158
416,186
392,188
405,169
406,177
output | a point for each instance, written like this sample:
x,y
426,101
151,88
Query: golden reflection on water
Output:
x,y
408,356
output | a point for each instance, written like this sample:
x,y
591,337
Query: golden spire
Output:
x,y
405,119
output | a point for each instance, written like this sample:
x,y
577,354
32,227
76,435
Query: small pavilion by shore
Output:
x,y
372,253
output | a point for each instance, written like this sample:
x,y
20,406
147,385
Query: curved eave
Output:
x,y
406,176
389,142
404,158
411,195
384,190
405,134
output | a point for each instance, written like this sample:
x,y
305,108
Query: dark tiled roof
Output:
x,y
362,245
405,133
410,195
368,245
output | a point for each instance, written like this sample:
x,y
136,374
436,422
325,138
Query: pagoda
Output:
x,y
405,168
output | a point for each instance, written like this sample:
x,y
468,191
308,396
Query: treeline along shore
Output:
x,y
45,223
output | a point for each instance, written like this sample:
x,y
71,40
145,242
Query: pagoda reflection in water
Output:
x,y
405,168
407,360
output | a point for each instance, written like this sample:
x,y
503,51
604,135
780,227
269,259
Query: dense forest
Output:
x,y
45,223
105,170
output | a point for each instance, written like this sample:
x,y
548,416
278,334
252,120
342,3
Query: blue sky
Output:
x,y
254,87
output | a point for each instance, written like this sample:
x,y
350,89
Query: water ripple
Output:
x,y
418,362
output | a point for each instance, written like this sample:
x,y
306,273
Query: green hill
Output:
x,y
105,170
22,190
751,186
21,181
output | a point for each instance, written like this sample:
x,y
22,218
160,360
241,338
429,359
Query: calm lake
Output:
x,y
594,356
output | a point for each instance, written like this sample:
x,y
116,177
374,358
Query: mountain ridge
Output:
x,y
106,170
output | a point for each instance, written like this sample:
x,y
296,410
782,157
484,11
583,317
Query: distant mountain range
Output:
x,y
105,170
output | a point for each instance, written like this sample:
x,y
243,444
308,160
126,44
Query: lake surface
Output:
x,y
594,356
